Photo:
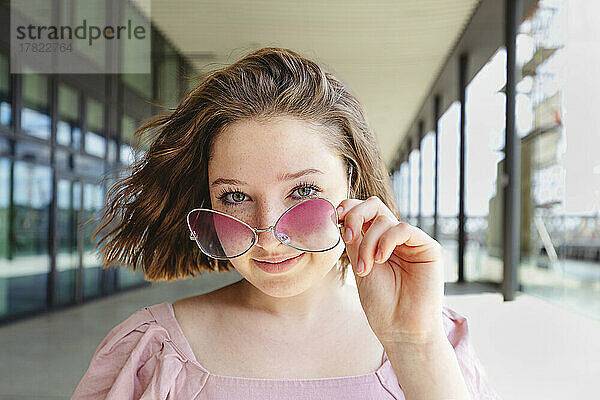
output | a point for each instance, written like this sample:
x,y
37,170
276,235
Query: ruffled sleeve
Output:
x,y
473,372
138,360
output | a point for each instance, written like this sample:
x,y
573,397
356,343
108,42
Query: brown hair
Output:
x,y
145,212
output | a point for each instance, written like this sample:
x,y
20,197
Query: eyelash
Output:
x,y
227,191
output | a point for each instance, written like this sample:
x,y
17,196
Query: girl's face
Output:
x,y
275,165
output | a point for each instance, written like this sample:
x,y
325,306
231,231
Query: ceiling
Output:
x,y
388,52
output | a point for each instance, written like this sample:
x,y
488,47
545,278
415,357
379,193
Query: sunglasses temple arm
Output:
x,y
349,181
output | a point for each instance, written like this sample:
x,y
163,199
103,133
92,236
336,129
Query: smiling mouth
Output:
x,y
279,267
280,261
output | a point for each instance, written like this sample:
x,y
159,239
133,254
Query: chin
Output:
x,y
308,273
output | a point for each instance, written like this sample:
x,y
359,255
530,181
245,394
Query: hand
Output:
x,y
402,291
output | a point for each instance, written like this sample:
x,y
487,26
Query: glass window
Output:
x,y
94,12
35,119
449,168
5,107
169,78
68,201
95,142
4,204
135,55
413,162
142,83
5,255
405,190
37,15
397,187
485,137
428,185
4,147
33,151
190,79
67,127
485,122
128,127
93,200
112,151
449,129
560,204
63,159
86,165
24,266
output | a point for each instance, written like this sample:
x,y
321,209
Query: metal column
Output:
x,y
462,82
436,118
408,177
420,182
52,225
512,158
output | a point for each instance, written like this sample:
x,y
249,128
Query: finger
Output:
x,y
345,206
368,245
358,221
418,246
342,210
351,249
358,218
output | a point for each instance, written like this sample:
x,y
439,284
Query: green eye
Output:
x,y
306,189
237,196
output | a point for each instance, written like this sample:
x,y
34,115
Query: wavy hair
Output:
x,y
143,225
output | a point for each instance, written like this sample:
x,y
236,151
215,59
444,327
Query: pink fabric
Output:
x,y
148,357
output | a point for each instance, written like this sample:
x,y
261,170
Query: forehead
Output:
x,y
262,149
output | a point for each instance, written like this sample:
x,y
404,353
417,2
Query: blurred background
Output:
x,y
485,112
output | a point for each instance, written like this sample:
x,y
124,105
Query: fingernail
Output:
x,y
378,255
360,267
340,209
348,234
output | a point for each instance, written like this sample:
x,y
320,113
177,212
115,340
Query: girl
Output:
x,y
270,167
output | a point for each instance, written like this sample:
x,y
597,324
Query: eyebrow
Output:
x,y
280,178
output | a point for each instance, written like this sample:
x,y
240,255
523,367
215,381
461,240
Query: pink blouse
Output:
x,y
148,357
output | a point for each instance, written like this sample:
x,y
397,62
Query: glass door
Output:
x,y
68,210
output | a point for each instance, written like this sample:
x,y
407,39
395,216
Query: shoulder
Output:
x,y
198,310
142,332
131,356
128,331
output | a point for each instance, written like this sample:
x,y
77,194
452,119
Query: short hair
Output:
x,y
143,225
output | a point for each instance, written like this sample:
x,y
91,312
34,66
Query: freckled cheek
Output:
x,y
242,212
327,259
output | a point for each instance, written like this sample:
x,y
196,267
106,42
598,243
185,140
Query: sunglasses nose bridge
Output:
x,y
264,230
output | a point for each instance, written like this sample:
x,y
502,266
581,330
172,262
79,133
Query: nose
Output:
x,y
266,217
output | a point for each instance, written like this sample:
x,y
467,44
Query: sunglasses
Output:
x,y
310,225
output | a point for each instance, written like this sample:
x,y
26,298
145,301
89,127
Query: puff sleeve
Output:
x,y
137,360
473,372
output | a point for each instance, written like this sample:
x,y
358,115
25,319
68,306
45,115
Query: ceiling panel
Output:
x,y
388,52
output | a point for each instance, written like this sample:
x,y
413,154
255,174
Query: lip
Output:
x,y
280,267
278,260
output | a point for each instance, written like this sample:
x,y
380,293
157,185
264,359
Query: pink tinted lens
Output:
x,y
309,226
220,236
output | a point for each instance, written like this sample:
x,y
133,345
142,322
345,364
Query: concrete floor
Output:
x,y
529,348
